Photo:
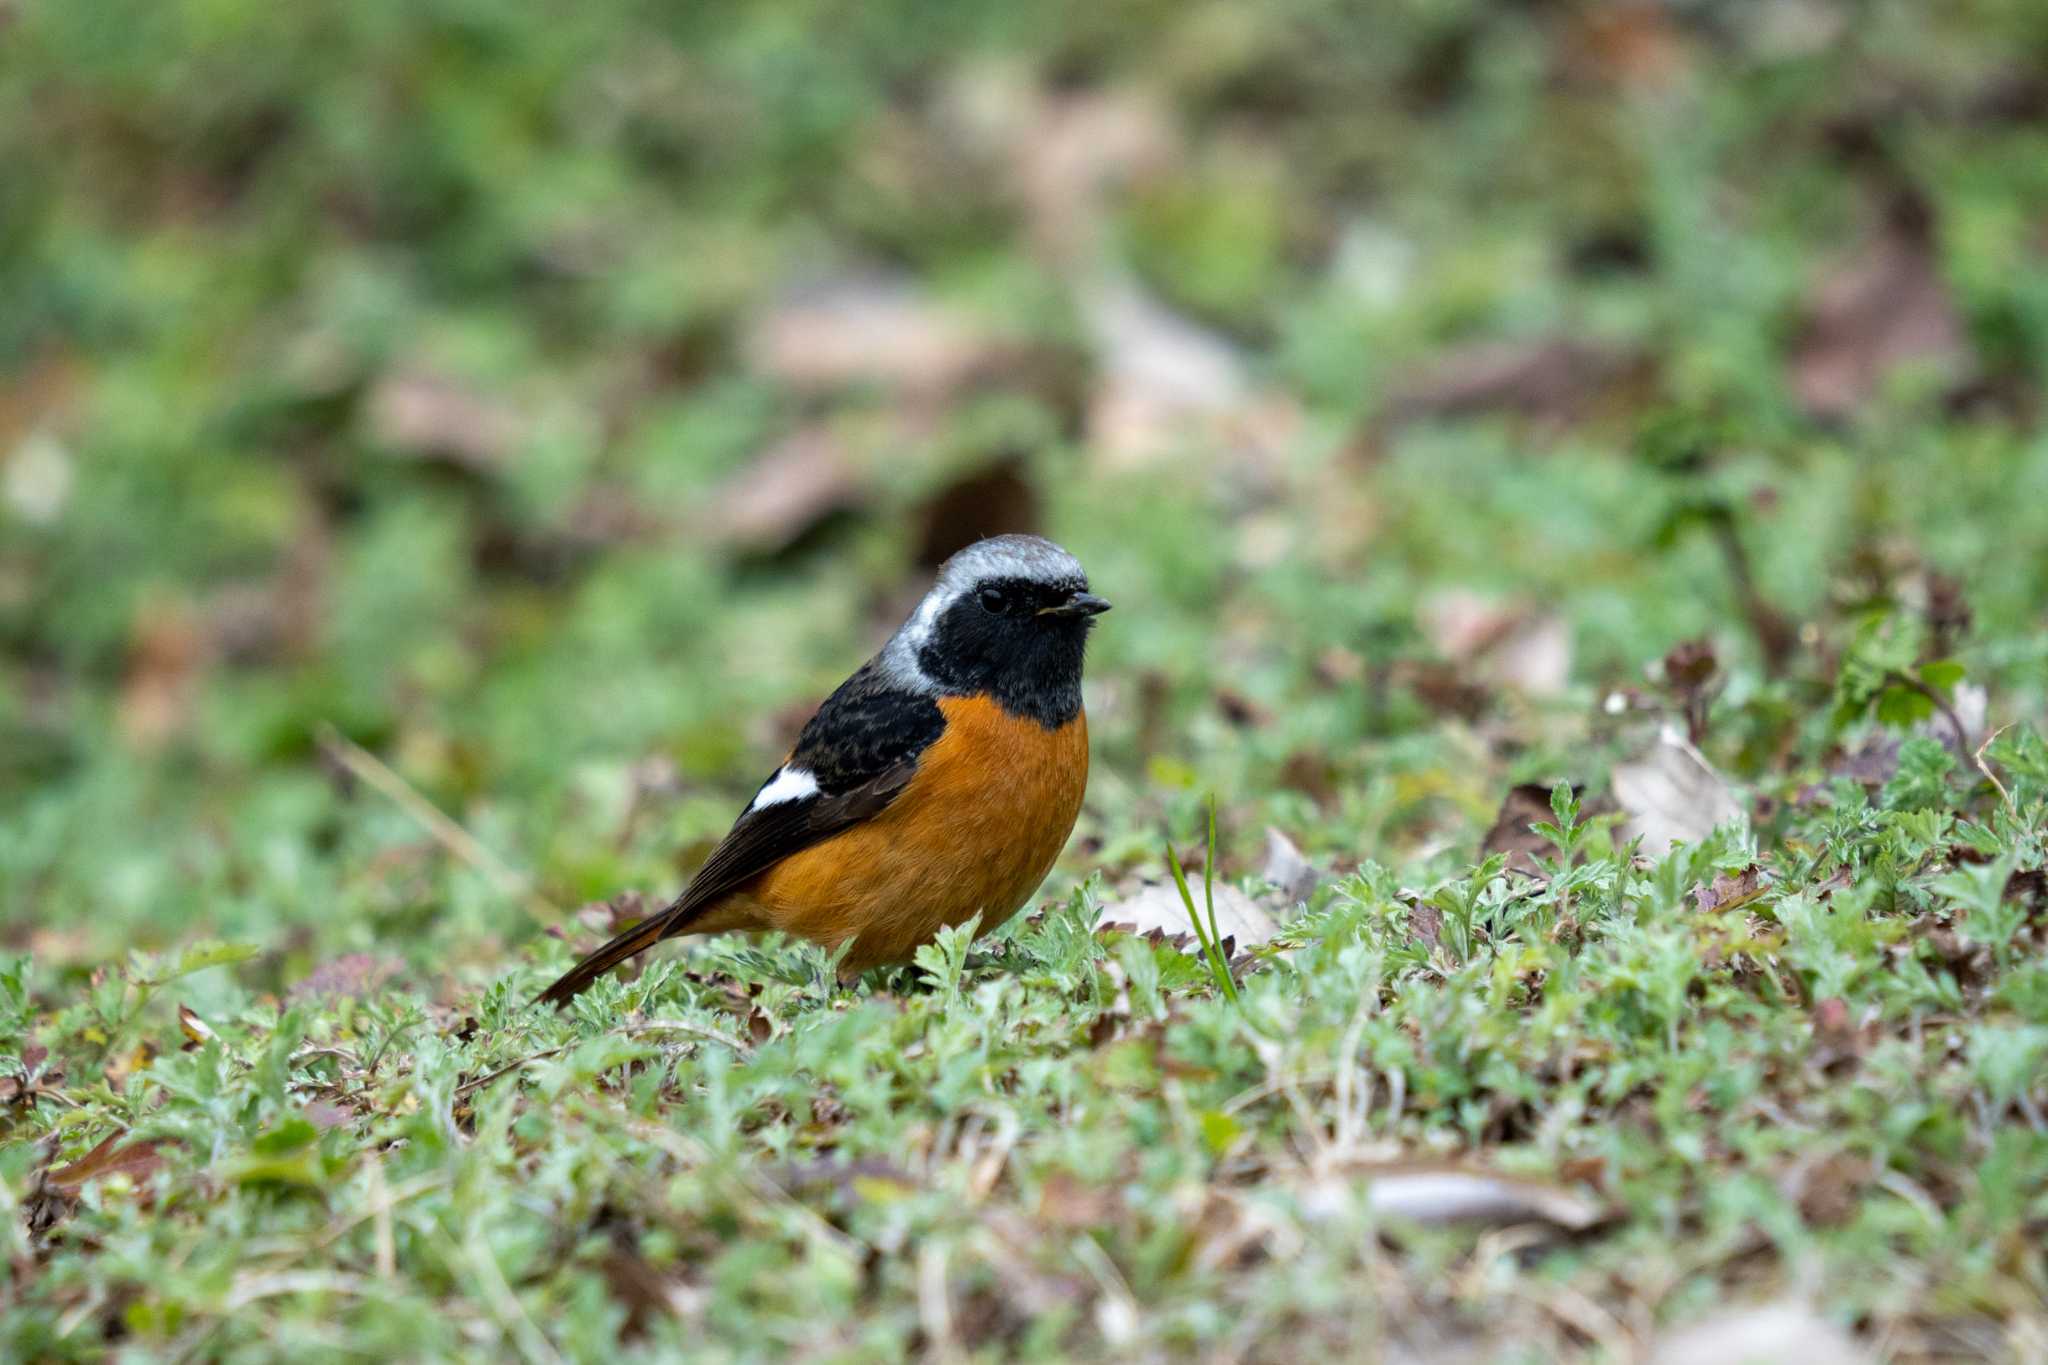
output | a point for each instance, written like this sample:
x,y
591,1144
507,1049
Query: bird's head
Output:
x,y
1008,617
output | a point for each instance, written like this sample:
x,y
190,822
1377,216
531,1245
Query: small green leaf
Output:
x,y
288,1136
1942,674
1564,804
1902,707
1219,1130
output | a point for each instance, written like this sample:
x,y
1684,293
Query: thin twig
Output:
x,y
468,1087
1985,768
366,767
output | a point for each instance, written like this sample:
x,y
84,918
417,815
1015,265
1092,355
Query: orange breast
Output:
x,y
977,829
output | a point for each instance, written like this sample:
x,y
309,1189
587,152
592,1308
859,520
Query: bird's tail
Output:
x,y
675,919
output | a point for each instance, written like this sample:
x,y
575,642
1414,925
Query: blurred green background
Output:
x,y
555,401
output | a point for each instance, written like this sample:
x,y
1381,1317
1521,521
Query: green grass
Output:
x,y
377,616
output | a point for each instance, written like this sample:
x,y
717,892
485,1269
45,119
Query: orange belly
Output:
x,y
976,830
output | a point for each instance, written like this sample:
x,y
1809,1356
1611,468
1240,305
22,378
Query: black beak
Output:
x,y
1080,604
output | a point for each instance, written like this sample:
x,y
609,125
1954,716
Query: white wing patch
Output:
x,y
788,784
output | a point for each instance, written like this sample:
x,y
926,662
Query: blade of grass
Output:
x,y
1212,947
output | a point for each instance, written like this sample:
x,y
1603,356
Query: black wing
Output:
x,y
862,748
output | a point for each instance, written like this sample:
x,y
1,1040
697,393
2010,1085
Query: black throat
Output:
x,y
1029,665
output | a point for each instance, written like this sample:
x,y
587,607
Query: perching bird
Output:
x,y
939,782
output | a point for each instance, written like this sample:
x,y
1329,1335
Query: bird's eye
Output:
x,y
994,600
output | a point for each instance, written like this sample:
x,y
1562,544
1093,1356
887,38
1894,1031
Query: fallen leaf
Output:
x,y
1068,150
1689,669
1242,711
1162,376
1443,687
36,479
1286,869
1835,1033
352,975
645,1292
609,917
137,1160
426,416
167,654
1065,1201
196,1030
785,493
1671,793
1440,1194
868,330
994,500
1727,890
1828,1190
1500,644
1308,770
1767,1334
325,1116
23,1090
1555,380
1880,308
1425,921
1157,906
1637,45
1526,804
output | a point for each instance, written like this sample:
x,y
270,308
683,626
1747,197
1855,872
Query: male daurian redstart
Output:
x,y
939,782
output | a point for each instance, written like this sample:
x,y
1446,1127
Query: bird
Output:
x,y
939,782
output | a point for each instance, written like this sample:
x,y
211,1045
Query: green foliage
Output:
x,y
376,375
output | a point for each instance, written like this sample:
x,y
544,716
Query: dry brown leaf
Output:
x,y
1523,806
1729,890
1500,644
1766,1334
1827,1188
1882,307
354,975
167,656
136,1160
646,1292
1833,1026
196,1030
1425,921
1639,45
325,1116
431,417
1158,906
868,330
612,916
1554,380
1671,793
786,491
1065,1201
995,500
1690,670
1068,150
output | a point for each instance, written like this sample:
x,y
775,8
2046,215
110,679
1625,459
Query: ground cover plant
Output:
x,y
1570,479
